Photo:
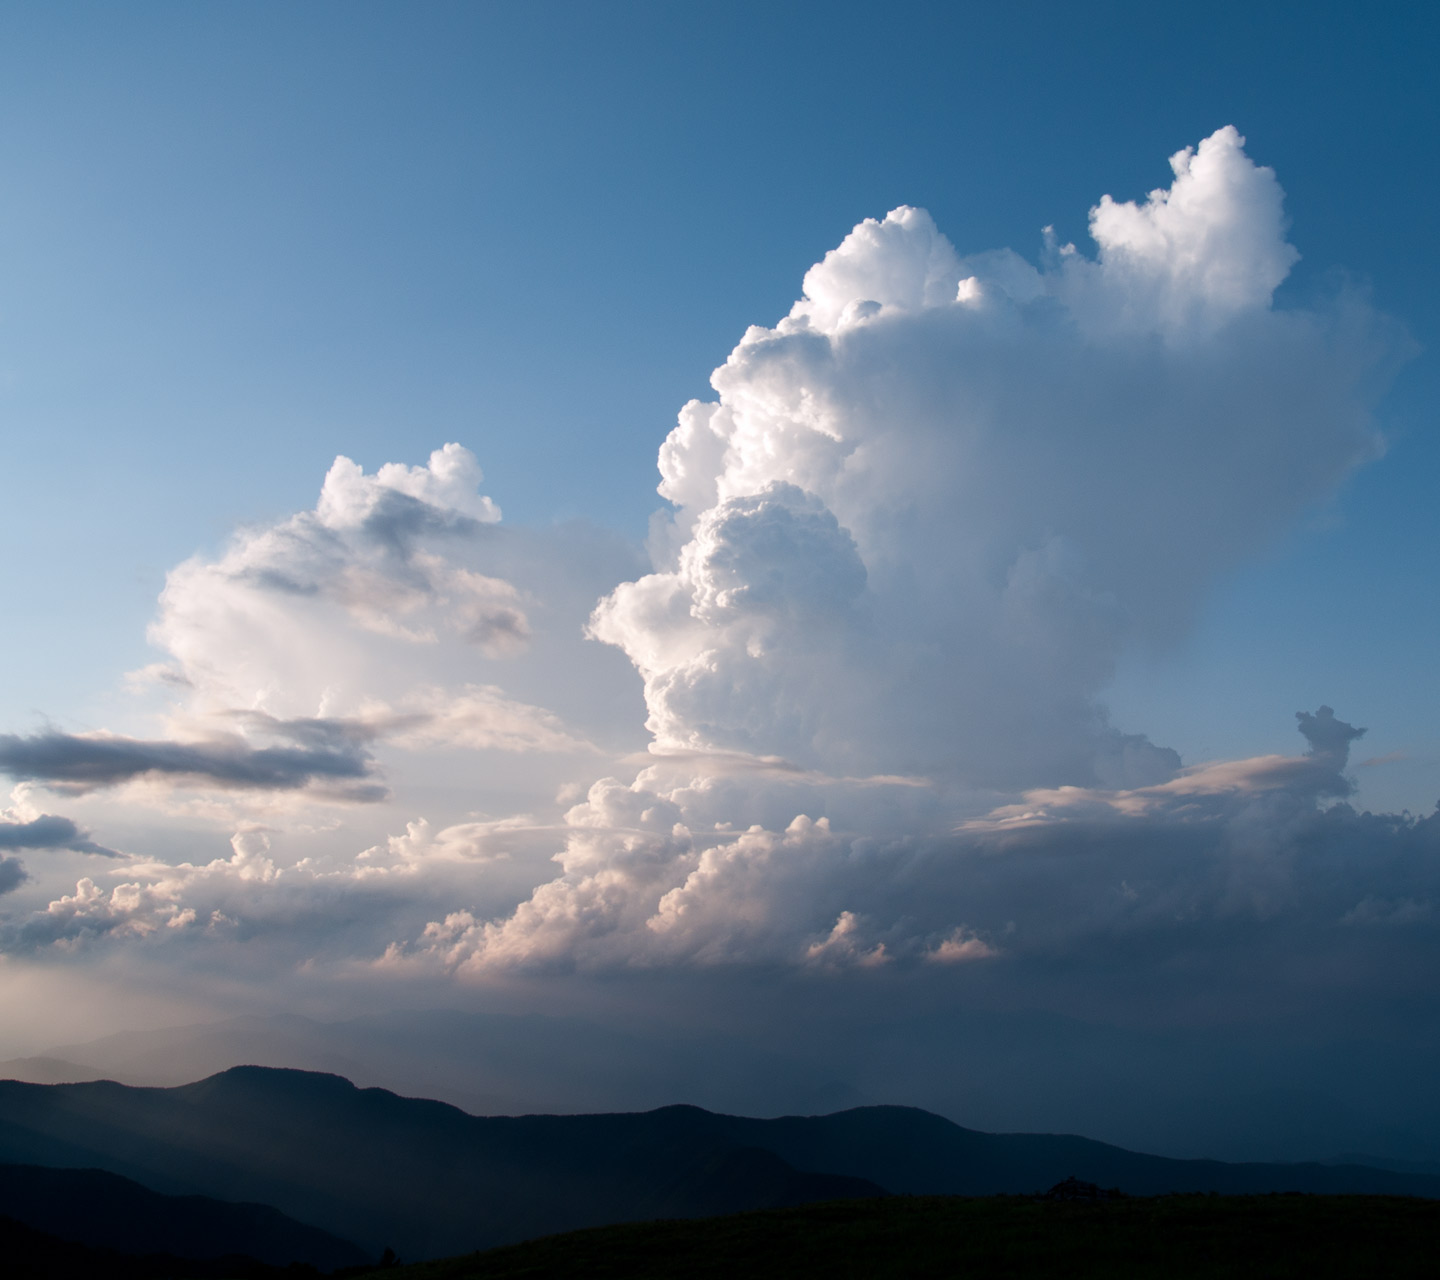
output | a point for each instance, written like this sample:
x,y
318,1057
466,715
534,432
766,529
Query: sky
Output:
x,y
900,540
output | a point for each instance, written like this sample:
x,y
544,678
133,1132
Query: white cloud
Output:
x,y
398,613
476,717
931,505
1210,247
1221,861
448,483
315,906
303,617
924,514
911,535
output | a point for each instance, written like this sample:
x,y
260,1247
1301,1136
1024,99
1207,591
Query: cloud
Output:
x,y
930,506
159,899
1186,886
329,757
12,874
1206,249
289,604
906,539
48,831
475,717
911,535
334,908
397,500
398,606
1207,790
1328,737
77,763
846,945
961,946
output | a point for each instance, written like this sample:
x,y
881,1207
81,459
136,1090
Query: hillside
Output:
x,y
103,1210
430,1180
1281,1237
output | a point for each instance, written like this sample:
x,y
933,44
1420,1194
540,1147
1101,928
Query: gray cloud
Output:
x,y
1328,737
49,831
80,763
12,874
398,521
316,733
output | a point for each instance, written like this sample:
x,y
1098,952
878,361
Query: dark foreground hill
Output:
x,y
430,1180
27,1254
1190,1237
103,1210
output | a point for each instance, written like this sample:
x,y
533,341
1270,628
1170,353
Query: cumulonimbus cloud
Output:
x,y
909,537
930,506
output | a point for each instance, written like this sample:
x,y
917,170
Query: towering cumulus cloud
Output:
x,y
930,505
908,540
905,544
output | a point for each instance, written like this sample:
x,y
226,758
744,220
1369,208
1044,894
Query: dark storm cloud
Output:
x,y
49,831
1328,737
71,762
12,874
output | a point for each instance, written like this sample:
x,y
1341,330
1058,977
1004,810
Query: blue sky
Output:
x,y
245,241
239,241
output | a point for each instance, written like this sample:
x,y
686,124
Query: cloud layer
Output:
x,y
910,537
906,542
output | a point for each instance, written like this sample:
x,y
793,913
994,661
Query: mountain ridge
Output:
x,y
430,1180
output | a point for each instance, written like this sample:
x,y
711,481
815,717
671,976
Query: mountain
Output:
x,y
430,1180
485,1063
1175,1091
47,1070
103,1210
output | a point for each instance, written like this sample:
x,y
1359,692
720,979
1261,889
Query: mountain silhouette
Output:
x,y
103,1210
28,1254
430,1180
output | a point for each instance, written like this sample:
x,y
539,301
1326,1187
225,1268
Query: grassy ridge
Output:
x,y
1011,1236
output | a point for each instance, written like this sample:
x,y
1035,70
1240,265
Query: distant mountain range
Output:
x,y
1158,1092
489,1064
429,1180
